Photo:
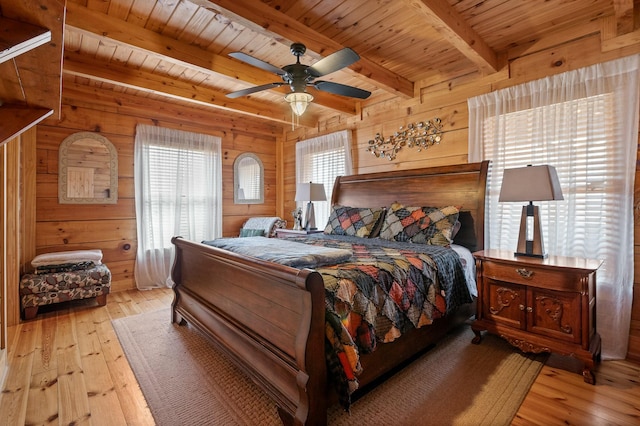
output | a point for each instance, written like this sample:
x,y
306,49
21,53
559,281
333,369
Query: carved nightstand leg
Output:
x,y
588,376
478,338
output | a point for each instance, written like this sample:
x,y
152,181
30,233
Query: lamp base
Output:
x,y
310,225
539,256
530,242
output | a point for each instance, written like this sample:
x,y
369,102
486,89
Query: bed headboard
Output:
x,y
458,185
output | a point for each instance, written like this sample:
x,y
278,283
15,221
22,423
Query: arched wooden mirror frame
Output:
x,y
239,197
87,170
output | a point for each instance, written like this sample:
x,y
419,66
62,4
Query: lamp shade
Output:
x,y
310,192
531,183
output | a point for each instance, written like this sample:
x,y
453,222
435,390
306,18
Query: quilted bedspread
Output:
x,y
385,289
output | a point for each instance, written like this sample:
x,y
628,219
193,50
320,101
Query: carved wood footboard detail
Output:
x,y
265,320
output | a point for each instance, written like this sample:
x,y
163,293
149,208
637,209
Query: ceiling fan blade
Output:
x,y
341,89
334,62
251,90
257,63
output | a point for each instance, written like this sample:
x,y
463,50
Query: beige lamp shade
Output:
x,y
531,183
310,192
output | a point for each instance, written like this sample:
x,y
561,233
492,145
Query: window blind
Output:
x,y
321,160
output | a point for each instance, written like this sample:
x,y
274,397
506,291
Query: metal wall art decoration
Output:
x,y
420,135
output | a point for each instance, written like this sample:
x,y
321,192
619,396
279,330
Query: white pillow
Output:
x,y
63,257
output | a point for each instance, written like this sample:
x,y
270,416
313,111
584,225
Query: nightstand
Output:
x,y
286,233
539,305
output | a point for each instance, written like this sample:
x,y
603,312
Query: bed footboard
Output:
x,y
268,319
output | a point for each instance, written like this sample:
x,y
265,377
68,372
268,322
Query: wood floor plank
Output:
x,y
103,399
45,350
72,392
42,406
13,404
601,400
132,402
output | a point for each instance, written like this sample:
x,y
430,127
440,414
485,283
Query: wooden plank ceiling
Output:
x,y
178,49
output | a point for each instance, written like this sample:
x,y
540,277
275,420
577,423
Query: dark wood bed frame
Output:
x,y
269,318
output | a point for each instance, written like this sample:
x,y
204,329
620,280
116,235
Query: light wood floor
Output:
x,y
67,367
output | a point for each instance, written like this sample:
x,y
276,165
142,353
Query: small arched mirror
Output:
x,y
248,179
87,170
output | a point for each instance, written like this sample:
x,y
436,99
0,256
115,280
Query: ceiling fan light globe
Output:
x,y
299,101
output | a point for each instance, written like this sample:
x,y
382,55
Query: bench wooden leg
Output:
x,y
102,299
30,312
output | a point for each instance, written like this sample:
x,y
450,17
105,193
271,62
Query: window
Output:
x,y
178,189
586,169
585,124
321,160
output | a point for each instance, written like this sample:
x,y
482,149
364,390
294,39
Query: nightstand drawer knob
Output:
x,y
524,273
529,309
521,307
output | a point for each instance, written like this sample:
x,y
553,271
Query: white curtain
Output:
x,y
585,123
178,192
321,160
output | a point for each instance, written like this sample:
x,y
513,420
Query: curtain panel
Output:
x,y
178,192
321,160
585,123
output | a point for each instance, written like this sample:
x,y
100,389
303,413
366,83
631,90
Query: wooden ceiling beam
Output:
x,y
86,96
440,15
623,10
119,32
262,18
100,25
80,66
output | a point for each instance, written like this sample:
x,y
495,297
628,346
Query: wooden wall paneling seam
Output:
x,y
3,262
28,160
13,231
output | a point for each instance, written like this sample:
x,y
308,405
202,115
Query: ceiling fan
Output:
x,y
298,76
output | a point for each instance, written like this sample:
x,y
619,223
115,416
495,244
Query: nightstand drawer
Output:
x,y
532,275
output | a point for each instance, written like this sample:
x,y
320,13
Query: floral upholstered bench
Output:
x,y
64,276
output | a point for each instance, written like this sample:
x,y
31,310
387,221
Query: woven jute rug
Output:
x,y
187,381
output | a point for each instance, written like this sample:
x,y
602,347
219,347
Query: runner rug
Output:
x,y
187,381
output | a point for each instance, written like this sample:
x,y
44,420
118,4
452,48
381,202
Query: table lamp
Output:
x,y
531,183
310,192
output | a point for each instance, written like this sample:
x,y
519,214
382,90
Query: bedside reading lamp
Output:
x,y
310,192
531,183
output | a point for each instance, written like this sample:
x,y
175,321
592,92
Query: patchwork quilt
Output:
x,y
375,290
383,290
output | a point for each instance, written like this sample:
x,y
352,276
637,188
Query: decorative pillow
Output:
x,y
244,232
353,221
424,225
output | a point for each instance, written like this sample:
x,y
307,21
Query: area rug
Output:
x,y
187,381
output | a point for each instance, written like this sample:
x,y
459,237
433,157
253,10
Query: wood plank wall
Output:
x,y
447,100
11,230
112,227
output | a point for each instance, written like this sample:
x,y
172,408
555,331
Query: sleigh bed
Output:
x,y
269,318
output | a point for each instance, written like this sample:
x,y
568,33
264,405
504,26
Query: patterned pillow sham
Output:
x,y
423,225
354,221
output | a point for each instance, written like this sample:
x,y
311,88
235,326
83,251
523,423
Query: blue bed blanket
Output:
x,y
283,251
